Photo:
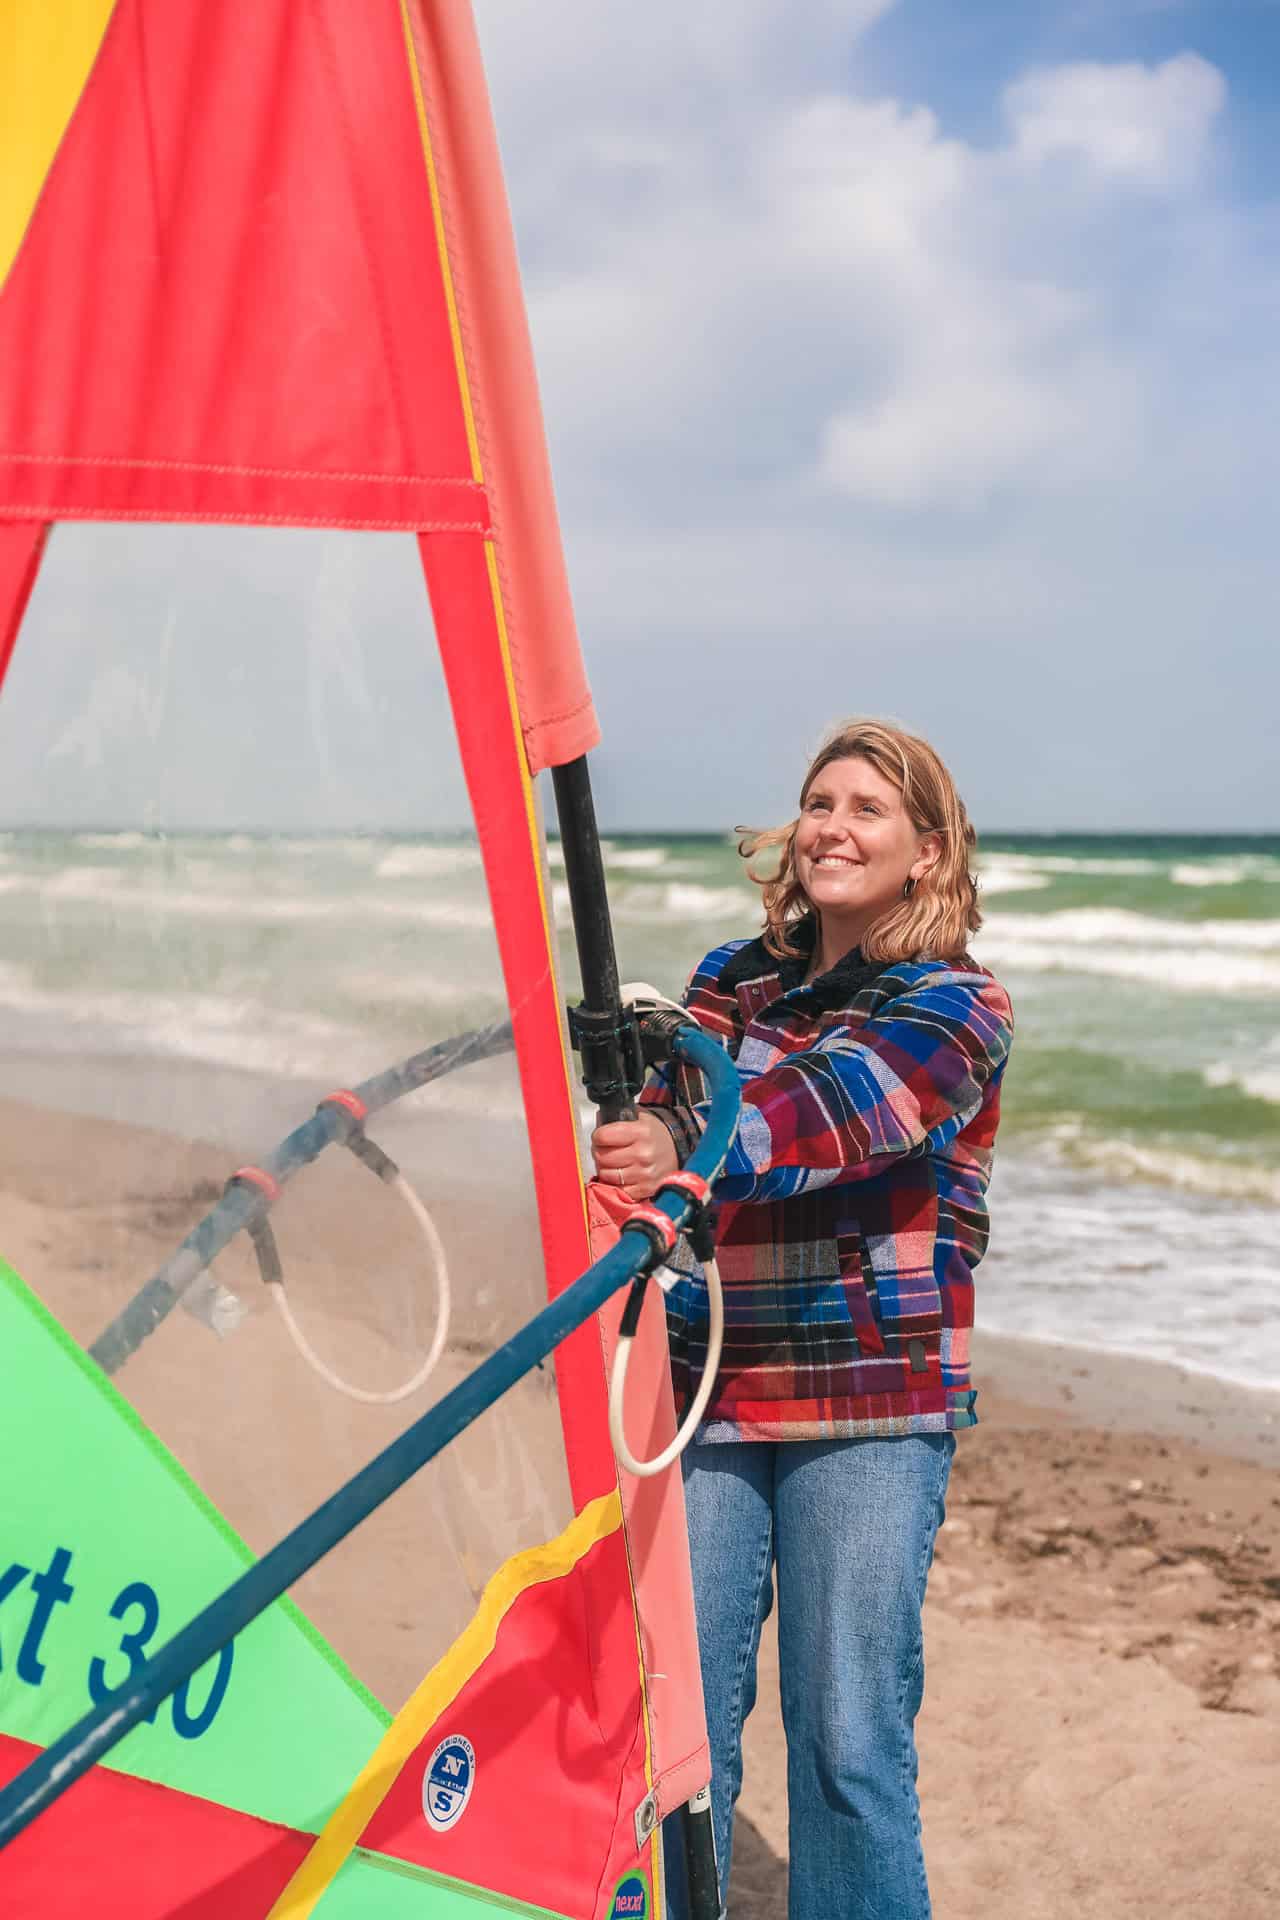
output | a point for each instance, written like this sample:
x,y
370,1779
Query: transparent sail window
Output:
x,y
237,872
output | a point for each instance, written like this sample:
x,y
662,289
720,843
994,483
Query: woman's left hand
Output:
x,y
634,1155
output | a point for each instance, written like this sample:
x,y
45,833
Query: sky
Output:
x,y
896,357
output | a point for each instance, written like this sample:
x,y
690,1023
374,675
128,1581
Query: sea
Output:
x,y
1136,1200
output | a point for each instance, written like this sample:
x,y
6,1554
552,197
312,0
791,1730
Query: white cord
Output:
x,y
636,991
427,1227
645,1469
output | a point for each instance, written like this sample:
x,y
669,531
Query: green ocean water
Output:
x,y
1138,1190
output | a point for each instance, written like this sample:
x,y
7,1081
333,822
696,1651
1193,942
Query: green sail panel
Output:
x,y
371,1883
107,1549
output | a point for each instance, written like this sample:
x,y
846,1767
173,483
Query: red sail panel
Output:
x,y
221,309
555,1721
21,545
120,1848
270,279
468,614
532,1729
468,626
551,693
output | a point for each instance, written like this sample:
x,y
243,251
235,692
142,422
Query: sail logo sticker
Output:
x,y
447,1782
630,1898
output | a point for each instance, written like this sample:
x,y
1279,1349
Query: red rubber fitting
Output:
x,y
342,1098
661,1230
255,1177
693,1184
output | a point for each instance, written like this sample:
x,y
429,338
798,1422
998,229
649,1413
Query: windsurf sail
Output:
x,y
261,325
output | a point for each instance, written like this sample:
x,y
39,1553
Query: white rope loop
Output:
x,y
440,1272
632,994
646,1469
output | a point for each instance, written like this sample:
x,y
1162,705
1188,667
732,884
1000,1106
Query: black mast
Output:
x,y
607,1036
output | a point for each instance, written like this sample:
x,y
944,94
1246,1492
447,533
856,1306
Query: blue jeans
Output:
x,y
849,1526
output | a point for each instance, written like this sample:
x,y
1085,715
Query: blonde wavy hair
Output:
x,y
942,910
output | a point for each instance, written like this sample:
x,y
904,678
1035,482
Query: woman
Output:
x,y
871,1050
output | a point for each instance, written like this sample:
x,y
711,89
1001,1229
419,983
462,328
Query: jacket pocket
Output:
x,y
857,1277
896,1242
908,1307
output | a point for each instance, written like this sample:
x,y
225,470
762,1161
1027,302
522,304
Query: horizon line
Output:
x,y
360,830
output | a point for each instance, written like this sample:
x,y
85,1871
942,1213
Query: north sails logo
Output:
x,y
448,1781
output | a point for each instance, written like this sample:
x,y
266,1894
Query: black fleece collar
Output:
x,y
830,990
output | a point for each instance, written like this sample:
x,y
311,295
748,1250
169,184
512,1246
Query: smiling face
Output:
x,y
856,846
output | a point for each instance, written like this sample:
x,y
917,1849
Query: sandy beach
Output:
x,y
1101,1729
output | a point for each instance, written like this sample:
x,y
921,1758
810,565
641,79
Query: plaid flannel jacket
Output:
x,y
852,1205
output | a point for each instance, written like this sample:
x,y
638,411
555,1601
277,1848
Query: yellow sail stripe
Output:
x,y
47,51
531,818
442,1685
437,215
464,390
655,1843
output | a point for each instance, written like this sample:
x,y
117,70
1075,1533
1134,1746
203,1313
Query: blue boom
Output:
x,y
93,1737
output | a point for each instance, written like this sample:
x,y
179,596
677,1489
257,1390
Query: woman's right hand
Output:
x,y
634,1155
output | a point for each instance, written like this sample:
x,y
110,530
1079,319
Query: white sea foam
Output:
x,y
1153,1258
1125,1160
427,863
636,859
682,900
82,883
1179,972
1261,1081
1221,870
1218,956
999,877
409,990
460,915
125,842
494,1097
645,904
1223,873
110,887
217,1030
690,902
186,1026
1070,863
352,846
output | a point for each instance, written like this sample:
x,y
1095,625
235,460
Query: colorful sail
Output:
x,y
256,270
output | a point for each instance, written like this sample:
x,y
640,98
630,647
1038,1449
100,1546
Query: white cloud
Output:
x,y
983,363
1146,125
820,374
945,440
869,309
